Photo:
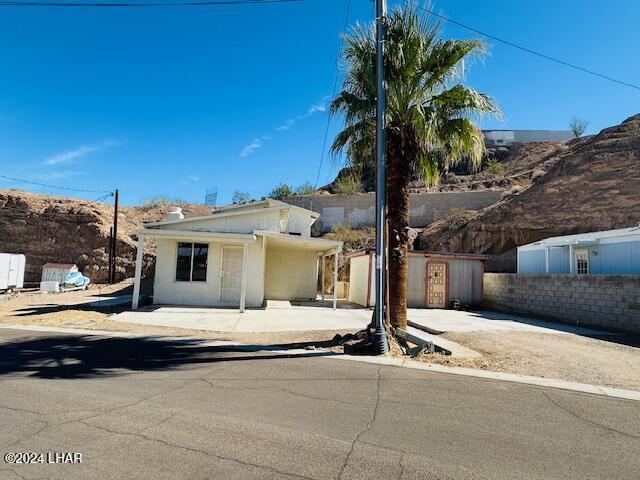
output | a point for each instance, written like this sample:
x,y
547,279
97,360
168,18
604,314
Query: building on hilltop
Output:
x,y
506,138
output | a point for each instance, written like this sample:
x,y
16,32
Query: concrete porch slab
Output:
x,y
292,319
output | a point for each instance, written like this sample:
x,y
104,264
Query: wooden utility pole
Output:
x,y
114,239
110,247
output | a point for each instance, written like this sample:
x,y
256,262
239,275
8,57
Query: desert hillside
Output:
x,y
502,169
59,229
592,183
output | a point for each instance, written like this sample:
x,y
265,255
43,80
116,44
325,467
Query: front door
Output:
x,y
436,285
231,275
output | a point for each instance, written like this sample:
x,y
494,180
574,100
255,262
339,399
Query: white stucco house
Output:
x,y
239,256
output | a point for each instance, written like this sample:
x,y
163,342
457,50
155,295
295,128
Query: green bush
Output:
x,y
282,190
347,185
305,189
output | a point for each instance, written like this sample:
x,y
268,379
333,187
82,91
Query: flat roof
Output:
x,y
583,238
426,253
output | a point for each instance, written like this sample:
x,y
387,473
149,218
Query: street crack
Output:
x,y
370,423
588,421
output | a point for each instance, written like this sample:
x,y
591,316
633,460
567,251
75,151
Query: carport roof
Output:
x,y
296,241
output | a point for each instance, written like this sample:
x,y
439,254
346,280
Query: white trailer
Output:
x,y
11,271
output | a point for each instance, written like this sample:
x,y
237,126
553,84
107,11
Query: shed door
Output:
x,y
14,264
231,275
436,285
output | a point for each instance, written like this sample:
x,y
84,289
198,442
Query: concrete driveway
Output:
x,y
486,321
276,317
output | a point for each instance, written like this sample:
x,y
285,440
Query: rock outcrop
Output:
x,y
590,184
59,229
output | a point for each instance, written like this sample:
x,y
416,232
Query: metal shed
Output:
x,y
57,272
436,280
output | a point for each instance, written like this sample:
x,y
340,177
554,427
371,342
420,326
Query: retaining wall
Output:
x,y
359,210
610,302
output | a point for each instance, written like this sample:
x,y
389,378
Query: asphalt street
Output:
x,y
141,409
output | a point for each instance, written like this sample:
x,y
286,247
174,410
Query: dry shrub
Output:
x,y
537,174
515,190
496,168
354,238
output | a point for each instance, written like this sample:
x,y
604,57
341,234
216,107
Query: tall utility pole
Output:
x,y
114,255
110,246
379,341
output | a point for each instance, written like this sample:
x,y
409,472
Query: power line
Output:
x,y
525,49
110,194
335,88
54,186
211,3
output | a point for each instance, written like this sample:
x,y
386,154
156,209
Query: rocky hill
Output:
x,y
59,229
502,168
588,184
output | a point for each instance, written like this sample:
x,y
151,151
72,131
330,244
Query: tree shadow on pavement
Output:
x,y
77,356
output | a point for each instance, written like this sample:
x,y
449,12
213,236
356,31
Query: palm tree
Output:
x,y
429,122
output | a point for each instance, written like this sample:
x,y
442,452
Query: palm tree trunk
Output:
x,y
398,177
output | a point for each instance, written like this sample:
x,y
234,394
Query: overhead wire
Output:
x,y
53,186
210,3
524,49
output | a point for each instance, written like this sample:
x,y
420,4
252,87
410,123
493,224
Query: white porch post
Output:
x,y
335,280
138,274
546,258
322,262
245,271
572,268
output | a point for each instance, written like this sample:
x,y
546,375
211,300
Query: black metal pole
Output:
x,y
380,343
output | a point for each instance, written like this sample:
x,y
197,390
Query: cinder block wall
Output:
x,y
610,302
359,211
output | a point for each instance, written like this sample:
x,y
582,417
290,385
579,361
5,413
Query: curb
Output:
x,y
609,392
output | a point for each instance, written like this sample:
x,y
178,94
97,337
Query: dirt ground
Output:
x,y
559,356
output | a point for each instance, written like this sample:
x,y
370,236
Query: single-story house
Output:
x,y
436,280
609,252
239,256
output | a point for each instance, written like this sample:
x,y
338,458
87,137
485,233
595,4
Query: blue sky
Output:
x,y
172,101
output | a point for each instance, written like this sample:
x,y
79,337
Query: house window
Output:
x,y
191,263
582,262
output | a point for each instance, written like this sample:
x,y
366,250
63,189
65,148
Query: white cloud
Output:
x,y
259,142
318,107
193,178
71,155
252,147
59,175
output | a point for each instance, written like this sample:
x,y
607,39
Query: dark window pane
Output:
x,y
183,264
200,254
